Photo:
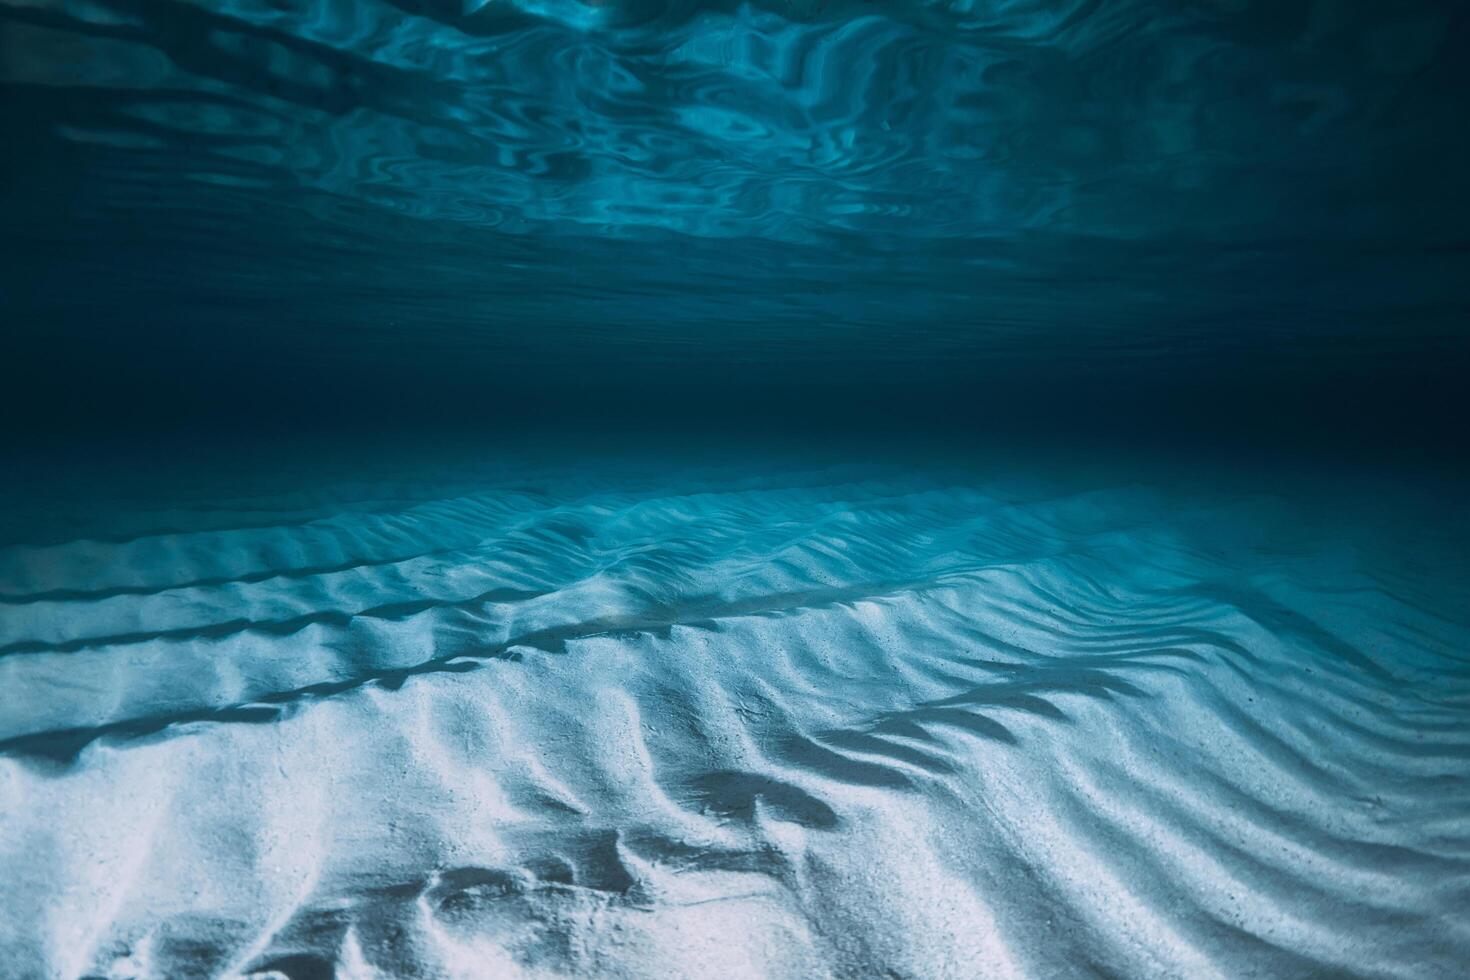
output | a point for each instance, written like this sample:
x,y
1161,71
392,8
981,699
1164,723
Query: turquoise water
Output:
x,y
650,489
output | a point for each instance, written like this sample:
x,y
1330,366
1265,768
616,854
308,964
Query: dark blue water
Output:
x,y
791,489
1242,210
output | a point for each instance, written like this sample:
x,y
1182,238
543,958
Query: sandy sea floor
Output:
x,y
488,717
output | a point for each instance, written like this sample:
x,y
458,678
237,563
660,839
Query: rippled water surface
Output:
x,y
424,195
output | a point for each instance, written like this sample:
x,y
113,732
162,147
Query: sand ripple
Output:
x,y
824,723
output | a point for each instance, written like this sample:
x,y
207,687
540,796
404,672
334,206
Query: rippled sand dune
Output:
x,y
802,722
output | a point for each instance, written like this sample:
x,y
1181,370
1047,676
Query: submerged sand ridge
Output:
x,y
808,722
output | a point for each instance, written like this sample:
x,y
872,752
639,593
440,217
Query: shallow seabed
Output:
x,y
646,715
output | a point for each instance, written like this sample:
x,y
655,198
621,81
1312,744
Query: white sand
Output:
x,y
816,724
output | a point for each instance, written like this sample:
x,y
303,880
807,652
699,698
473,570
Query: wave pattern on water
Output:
x,y
782,120
825,723
670,182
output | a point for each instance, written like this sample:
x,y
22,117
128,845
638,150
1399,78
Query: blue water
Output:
x,y
799,489
1234,209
